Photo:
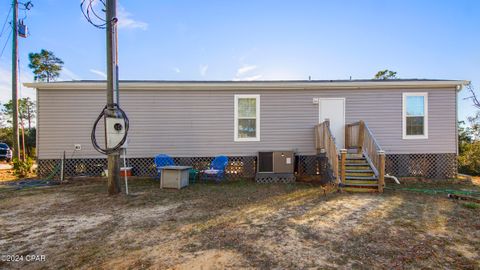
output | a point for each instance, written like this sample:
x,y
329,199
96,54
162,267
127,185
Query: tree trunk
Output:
x,y
23,141
29,116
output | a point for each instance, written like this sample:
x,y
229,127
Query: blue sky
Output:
x,y
259,40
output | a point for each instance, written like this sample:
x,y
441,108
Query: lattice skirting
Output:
x,y
432,166
309,168
239,167
267,178
313,169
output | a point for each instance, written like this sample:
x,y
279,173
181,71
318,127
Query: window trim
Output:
x,y
425,115
257,118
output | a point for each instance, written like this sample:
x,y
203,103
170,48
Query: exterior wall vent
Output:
x,y
265,162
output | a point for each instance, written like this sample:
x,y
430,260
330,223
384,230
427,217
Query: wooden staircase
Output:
x,y
361,168
359,175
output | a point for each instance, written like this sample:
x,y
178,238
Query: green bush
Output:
x,y
469,159
22,168
469,149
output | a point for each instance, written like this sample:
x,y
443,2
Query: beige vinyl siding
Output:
x,y
201,122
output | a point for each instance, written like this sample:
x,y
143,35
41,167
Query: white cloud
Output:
x,y
126,21
176,70
203,70
245,69
251,78
6,85
67,75
99,73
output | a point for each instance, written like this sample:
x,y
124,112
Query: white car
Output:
x,y
5,152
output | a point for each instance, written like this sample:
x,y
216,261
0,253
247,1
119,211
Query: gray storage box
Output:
x,y
174,176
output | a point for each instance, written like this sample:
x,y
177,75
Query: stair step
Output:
x,y
362,177
373,178
357,164
363,162
356,174
360,182
354,159
354,189
359,171
358,167
360,185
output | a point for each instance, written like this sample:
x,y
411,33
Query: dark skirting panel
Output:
x,y
431,166
310,168
237,168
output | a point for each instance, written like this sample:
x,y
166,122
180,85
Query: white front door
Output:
x,y
333,109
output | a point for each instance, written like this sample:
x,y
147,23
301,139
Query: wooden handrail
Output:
x,y
374,154
324,141
374,140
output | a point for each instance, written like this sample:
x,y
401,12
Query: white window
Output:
x,y
247,118
415,115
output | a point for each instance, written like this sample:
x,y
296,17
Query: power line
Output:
x,y
6,42
6,19
88,9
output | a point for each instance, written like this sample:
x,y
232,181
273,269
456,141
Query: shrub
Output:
x,y
469,159
22,168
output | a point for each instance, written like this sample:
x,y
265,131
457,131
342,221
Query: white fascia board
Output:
x,y
264,85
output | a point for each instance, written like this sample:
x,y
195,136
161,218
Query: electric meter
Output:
x,y
115,131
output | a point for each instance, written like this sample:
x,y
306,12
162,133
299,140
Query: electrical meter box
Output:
x,y
115,131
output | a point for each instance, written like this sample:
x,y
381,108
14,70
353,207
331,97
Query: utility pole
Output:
x,y
16,144
112,91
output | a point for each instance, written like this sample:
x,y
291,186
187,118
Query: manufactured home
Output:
x,y
413,123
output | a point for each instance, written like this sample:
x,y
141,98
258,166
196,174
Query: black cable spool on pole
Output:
x,y
109,150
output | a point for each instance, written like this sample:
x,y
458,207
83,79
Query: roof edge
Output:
x,y
264,85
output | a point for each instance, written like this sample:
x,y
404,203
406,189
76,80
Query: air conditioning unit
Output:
x,y
275,162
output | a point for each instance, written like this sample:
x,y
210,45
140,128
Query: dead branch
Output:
x,y
473,97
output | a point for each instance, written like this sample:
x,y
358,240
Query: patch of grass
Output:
x,y
459,184
287,226
471,205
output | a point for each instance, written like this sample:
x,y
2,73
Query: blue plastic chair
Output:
x,y
217,168
161,161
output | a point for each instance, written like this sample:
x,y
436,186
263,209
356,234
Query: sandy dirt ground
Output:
x,y
236,225
5,166
7,173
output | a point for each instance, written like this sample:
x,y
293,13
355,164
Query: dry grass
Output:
x,y
237,225
7,175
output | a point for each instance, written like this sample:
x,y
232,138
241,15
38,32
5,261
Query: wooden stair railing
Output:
x,y
324,141
359,136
